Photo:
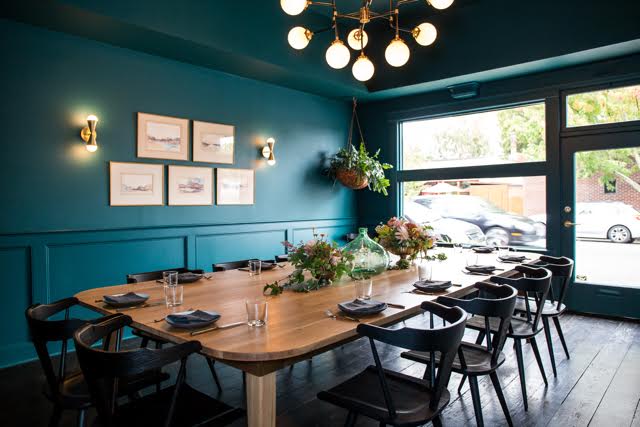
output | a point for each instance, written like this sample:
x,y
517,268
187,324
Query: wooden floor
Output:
x,y
599,386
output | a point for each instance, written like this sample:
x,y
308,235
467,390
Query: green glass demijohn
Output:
x,y
368,255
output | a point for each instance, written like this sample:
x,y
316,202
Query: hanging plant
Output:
x,y
355,168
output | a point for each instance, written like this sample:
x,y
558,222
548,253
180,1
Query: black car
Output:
x,y
501,228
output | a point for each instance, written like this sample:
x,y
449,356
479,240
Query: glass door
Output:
x,y
601,220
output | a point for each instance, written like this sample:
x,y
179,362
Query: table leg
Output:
x,y
261,400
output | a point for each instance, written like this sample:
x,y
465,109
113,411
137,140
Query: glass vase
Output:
x,y
369,256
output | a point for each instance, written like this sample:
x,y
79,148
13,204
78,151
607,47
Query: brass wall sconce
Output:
x,y
267,152
89,134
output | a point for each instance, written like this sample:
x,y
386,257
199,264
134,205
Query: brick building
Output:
x,y
592,190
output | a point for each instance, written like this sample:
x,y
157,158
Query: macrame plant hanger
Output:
x,y
350,177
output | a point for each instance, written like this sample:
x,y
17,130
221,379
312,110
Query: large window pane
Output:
x,y
604,106
511,135
495,211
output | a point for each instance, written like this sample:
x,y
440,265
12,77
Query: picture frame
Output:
x,y
162,137
190,186
213,142
136,184
235,186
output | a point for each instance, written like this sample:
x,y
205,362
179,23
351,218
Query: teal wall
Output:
x,y
58,234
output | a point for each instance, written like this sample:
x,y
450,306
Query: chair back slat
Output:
x,y
562,270
156,275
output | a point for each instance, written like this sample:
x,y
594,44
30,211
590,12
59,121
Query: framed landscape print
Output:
x,y
213,143
190,186
136,184
235,187
161,137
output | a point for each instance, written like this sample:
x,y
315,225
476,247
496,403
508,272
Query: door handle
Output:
x,y
569,224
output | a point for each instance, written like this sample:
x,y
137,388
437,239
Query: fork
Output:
x,y
334,316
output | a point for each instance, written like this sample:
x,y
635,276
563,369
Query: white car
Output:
x,y
615,221
455,230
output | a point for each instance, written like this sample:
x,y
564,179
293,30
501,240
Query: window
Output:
x,y
615,105
510,135
610,187
495,211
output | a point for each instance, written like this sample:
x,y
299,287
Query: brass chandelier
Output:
x,y
338,55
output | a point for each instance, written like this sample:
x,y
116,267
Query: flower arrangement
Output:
x,y
322,259
406,239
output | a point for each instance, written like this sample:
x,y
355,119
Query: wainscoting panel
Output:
x,y
332,232
216,248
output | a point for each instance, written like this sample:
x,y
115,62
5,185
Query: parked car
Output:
x,y
500,227
452,229
615,221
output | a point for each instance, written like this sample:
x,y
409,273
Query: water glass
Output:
x,y
503,251
425,270
256,312
364,289
170,278
471,258
255,266
173,295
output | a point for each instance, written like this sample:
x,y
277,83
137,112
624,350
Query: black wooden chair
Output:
x,y
178,405
231,265
282,258
395,398
67,389
531,281
562,270
147,337
474,360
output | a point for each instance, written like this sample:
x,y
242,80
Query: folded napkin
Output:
x,y
513,258
359,306
484,249
481,268
189,277
130,298
195,317
432,285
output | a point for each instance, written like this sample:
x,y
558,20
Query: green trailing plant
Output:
x,y
365,166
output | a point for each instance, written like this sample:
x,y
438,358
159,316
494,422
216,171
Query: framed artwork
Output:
x,y
190,186
161,137
136,184
213,143
235,187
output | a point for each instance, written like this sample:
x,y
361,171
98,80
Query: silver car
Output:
x,y
455,230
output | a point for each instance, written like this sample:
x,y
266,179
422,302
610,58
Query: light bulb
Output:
x,y
354,40
293,7
439,4
338,55
299,37
397,53
92,118
271,162
91,148
425,34
363,68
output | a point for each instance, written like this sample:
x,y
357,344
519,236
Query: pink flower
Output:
x,y
402,233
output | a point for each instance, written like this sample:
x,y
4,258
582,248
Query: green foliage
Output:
x,y
522,132
364,164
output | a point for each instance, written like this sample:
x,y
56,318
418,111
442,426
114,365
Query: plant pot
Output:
x,y
350,178
403,253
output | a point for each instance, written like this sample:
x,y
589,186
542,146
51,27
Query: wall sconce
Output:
x,y
267,152
89,134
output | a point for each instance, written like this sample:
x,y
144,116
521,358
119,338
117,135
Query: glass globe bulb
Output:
x,y
91,148
355,41
338,55
397,53
92,118
363,68
299,37
293,7
440,4
271,162
425,34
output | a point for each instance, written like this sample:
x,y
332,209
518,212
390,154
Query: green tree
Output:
x,y
522,131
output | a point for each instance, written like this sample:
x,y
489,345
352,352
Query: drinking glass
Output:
x,y
425,270
503,251
255,266
170,278
256,312
471,258
364,289
173,295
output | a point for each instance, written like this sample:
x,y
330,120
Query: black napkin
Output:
x,y
481,268
189,277
358,306
432,285
197,316
484,249
130,298
513,258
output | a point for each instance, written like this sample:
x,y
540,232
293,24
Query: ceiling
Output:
x,y
479,40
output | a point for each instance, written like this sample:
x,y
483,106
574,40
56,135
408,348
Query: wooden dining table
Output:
x,y
298,326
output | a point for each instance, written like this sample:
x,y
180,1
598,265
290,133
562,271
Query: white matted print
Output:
x,y
213,143
235,187
161,137
136,184
190,186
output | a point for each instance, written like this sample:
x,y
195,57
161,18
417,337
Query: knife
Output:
x,y
230,325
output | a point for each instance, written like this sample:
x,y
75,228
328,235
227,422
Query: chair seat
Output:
x,y
550,308
477,359
363,393
192,408
521,328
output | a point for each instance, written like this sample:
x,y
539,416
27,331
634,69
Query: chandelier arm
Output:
x,y
321,3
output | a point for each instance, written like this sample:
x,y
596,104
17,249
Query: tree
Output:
x,y
522,131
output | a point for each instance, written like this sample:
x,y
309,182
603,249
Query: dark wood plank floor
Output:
x,y
598,386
